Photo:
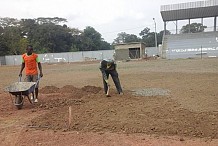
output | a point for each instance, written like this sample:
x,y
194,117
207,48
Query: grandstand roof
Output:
x,y
190,10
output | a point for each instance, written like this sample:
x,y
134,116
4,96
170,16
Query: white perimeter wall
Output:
x,y
64,57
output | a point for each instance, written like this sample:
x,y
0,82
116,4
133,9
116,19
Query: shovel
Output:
x,y
108,89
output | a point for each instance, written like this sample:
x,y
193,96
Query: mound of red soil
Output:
x,y
91,89
49,90
68,89
93,112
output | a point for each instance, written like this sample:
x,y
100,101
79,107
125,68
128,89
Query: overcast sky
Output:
x,y
108,17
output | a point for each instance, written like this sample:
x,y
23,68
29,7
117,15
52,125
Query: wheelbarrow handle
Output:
x,y
37,82
20,77
39,77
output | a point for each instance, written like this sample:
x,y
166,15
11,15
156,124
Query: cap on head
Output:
x,y
104,63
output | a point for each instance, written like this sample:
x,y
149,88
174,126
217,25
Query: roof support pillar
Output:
x,y
165,27
215,23
176,26
189,28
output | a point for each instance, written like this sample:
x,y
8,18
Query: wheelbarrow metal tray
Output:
x,y
21,88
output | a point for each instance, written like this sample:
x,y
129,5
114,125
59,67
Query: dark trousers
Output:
x,y
115,78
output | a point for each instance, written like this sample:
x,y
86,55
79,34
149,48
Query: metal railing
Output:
x,y
208,29
189,5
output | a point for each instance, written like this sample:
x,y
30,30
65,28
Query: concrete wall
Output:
x,y
64,57
125,46
2,60
150,51
122,50
74,56
122,54
194,45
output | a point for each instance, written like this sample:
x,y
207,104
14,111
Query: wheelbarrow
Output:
x,y
20,90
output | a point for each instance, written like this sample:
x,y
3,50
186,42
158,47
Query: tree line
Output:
x,y
47,35
148,37
52,35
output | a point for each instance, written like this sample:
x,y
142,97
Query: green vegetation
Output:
x,y
51,35
47,36
193,28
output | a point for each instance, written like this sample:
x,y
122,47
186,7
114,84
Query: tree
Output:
x,y
126,38
55,20
28,27
148,37
22,44
47,35
194,27
6,22
12,36
132,38
144,32
4,50
120,38
51,38
160,36
92,39
105,46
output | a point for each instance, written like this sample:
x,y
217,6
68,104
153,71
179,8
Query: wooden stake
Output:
x,y
70,116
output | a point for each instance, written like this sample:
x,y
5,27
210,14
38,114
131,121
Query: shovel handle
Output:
x,y
19,78
108,89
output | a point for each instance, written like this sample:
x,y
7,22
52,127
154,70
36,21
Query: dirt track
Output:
x,y
187,114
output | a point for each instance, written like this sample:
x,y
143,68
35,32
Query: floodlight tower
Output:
x,y
155,34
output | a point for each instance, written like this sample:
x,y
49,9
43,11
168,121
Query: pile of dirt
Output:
x,y
92,89
93,112
68,89
49,89
65,96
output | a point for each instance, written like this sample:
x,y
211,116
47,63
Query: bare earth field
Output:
x,y
165,103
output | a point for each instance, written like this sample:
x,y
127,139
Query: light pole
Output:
x,y
155,34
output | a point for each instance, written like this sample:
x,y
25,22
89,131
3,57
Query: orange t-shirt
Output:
x,y
30,63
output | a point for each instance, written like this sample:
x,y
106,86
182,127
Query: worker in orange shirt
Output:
x,y
30,61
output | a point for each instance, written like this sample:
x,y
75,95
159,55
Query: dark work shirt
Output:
x,y
107,65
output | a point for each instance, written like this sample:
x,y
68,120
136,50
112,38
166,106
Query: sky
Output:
x,y
108,17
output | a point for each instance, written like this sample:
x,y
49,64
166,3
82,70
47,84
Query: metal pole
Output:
x,y
201,52
155,34
189,28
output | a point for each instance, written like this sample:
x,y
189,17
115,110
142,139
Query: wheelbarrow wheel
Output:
x,y
19,101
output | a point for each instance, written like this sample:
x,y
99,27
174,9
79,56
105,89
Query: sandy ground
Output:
x,y
165,103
